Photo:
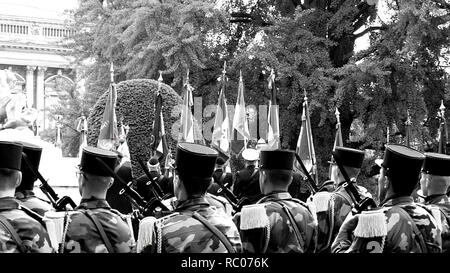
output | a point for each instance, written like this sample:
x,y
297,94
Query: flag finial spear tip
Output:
x,y
240,74
224,67
304,92
160,79
337,113
442,107
111,70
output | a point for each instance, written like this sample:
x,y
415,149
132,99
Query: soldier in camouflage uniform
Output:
x,y
195,226
94,227
21,230
277,223
400,225
434,184
334,208
24,192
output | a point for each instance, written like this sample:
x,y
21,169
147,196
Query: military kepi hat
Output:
x,y
436,164
403,160
33,154
10,155
277,159
349,157
195,160
90,161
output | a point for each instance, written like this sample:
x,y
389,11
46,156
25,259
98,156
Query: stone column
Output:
x,y
30,85
40,99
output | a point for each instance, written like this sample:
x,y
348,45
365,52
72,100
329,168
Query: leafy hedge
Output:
x,y
135,105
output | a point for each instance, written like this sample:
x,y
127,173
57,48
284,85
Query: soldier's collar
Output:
x,y
93,203
435,196
397,201
24,194
283,195
8,203
195,201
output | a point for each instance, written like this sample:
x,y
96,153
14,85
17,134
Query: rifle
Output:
x,y
60,204
154,203
360,204
133,196
229,196
311,183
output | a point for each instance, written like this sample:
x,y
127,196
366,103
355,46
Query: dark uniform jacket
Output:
x,y
399,226
440,206
30,231
220,179
180,232
271,230
83,236
31,201
247,184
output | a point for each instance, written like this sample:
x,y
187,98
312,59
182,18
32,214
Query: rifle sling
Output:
x,y
349,187
10,229
100,229
292,220
215,231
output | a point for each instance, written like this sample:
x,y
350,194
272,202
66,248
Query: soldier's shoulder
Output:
x,y
254,216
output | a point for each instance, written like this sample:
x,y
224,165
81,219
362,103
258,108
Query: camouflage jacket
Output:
x,y
399,226
31,232
180,232
339,206
83,237
31,201
270,230
442,203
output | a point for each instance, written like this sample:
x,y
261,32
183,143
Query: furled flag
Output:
x,y
123,146
305,145
338,138
82,127
240,122
273,136
442,149
221,134
109,136
408,129
159,133
187,119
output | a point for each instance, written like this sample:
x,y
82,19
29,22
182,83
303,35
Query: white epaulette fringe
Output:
x,y
146,231
254,216
321,200
371,224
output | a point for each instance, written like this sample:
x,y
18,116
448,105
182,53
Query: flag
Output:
x,y
159,134
108,137
187,119
305,145
338,138
123,146
408,129
221,135
273,136
82,128
240,122
442,129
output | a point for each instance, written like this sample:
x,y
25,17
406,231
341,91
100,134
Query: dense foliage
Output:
x,y
310,44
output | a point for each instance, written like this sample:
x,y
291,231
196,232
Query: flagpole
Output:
x,y
309,138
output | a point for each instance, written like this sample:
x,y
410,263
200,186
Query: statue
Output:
x,y
14,113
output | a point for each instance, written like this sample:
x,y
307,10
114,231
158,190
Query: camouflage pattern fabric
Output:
x,y
442,202
31,201
30,231
397,214
83,237
219,202
181,233
339,207
282,238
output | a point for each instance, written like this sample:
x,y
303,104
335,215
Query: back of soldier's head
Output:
x,y
194,165
33,155
10,163
350,159
93,161
276,167
436,169
402,166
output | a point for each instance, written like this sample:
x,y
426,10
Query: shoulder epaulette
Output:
x,y
371,224
321,200
254,216
147,229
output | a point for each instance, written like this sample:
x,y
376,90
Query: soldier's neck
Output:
x,y
7,193
90,195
